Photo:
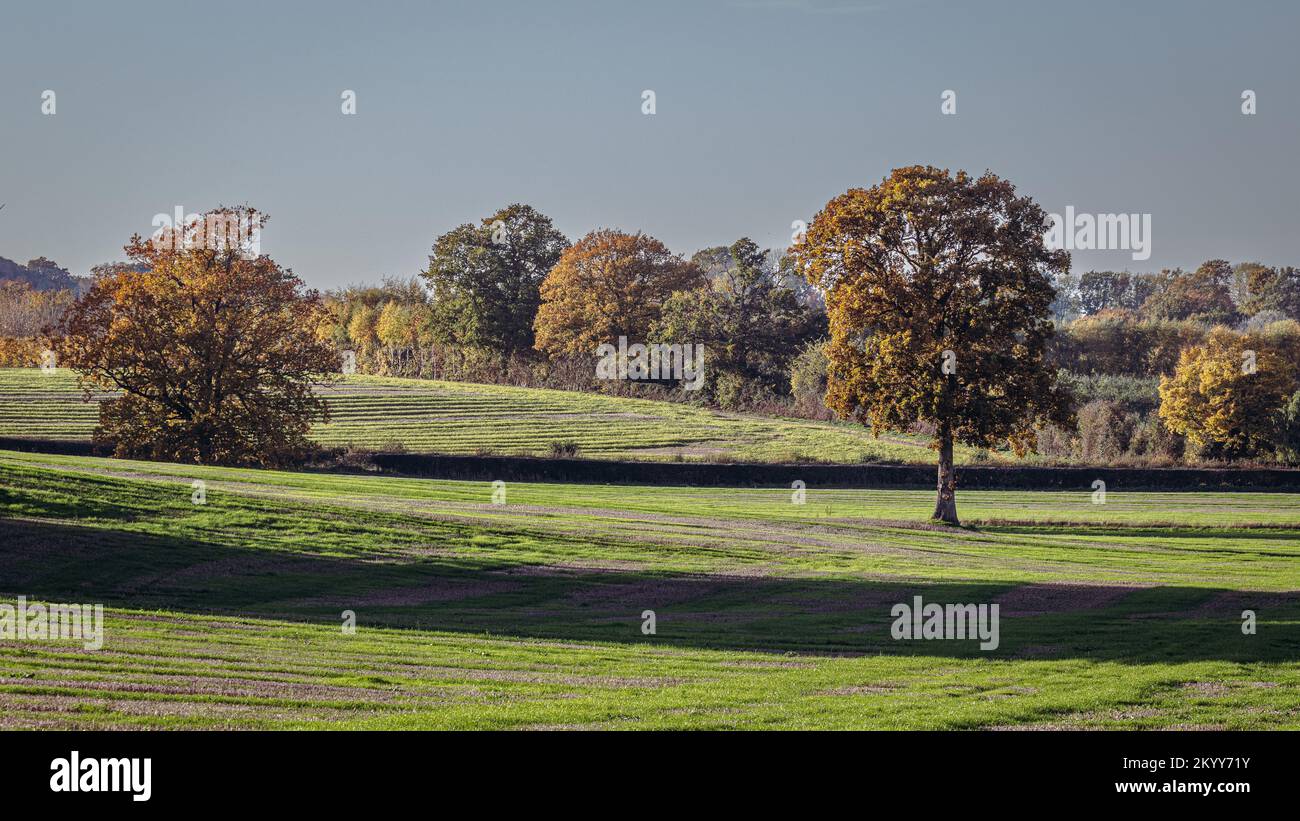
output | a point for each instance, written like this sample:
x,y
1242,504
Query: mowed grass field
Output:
x,y
425,416
528,614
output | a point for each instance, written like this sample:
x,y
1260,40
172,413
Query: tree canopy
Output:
x,y
213,351
938,288
609,284
1204,295
1229,395
1272,289
485,280
750,323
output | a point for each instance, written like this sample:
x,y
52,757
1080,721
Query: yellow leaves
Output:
x,y
1227,392
393,326
902,296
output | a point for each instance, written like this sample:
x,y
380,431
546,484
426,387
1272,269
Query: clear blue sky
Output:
x,y
765,110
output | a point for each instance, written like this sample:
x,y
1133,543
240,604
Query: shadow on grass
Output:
x,y
66,563
1167,532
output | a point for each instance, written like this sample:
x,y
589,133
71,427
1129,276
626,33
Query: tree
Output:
x,y
1115,342
1103,290
712,262
24,310
41,273
1065,308
1272,289
1204,295
361,326
1103,434
1240,289
750,324
1222,404
394,327
808,375
213,350
1289,441
486,279
609,284
789,276
1144,286
939,289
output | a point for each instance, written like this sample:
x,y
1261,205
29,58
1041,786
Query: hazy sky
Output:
x,y
764,110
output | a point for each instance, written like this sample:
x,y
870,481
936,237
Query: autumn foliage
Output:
x,y
609,284
212,349
938,289
1228,395
213,353
24,313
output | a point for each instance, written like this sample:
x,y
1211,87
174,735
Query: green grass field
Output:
x,y
459,417
528,614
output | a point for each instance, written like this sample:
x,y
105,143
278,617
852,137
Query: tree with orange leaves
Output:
x,y
938,288
609,284
211,346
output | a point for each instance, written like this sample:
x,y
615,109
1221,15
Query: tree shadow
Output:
x,y
1182,531
59,562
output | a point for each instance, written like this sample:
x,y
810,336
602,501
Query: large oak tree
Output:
x,y
938,288
212,349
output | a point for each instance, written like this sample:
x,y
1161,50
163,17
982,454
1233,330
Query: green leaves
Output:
x,y
485,279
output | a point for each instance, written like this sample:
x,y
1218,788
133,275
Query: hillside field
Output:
x,y
528,614
425,416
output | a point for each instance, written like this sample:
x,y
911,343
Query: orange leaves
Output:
x,y
608,284
214,351
929,262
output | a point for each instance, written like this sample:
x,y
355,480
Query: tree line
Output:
x,y
1117,333
927,303
511,300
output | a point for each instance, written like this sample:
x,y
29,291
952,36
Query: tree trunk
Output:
x,y
945,507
